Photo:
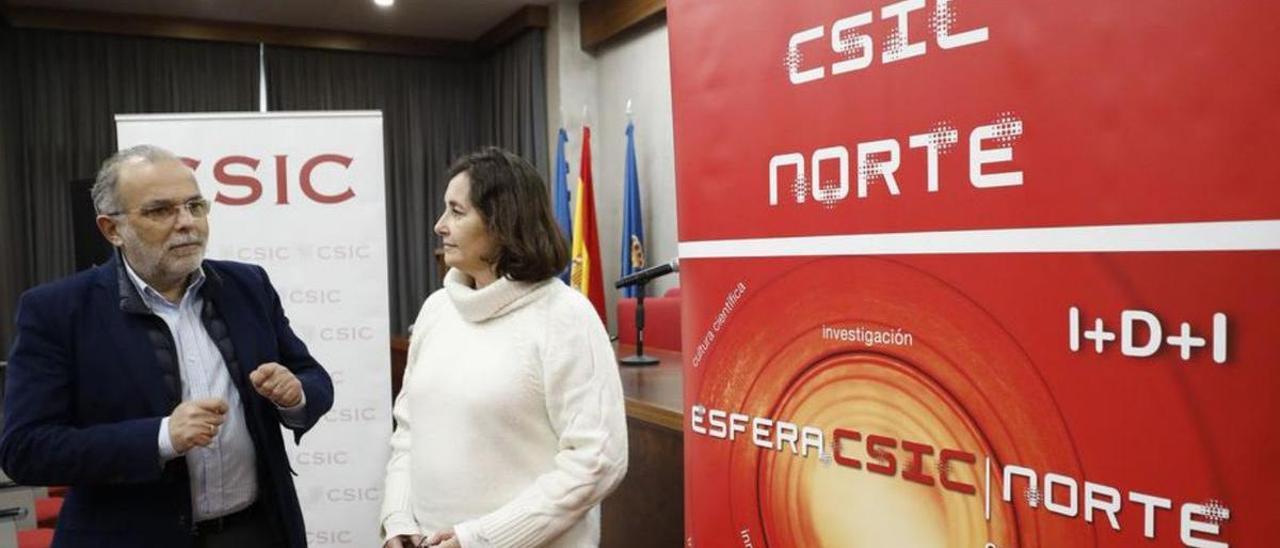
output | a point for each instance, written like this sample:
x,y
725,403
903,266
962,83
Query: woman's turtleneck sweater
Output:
x,y
510,424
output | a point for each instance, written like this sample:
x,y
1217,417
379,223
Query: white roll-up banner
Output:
x,y
302,194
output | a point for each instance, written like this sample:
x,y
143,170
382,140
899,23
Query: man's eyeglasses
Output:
x,y
167,213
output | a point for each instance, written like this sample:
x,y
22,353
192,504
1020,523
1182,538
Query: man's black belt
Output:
x,y
229,521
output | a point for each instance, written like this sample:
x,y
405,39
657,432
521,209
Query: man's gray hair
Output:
x,y
105,198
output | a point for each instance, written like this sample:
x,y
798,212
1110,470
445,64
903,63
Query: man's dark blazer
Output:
x,y
91,374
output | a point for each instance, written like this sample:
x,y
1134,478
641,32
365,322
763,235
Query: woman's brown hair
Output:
x,y
513,200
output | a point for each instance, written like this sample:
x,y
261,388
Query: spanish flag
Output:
x,y
584,273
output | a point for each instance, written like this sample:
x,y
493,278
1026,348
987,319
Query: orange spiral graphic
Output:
x,y
808,502
962,384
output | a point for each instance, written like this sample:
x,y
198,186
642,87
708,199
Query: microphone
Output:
x,y
647,274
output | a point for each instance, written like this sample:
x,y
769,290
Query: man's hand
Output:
x,y
276,383
195,423
403,541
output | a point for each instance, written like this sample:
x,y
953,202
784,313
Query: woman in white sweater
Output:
x,y
510,426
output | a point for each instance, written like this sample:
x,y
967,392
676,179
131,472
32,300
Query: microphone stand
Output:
x,y
639,359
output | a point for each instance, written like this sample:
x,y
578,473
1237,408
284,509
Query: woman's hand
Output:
x,y
443,539
404,541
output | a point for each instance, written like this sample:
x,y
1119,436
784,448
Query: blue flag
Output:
x,y
633,259
560,195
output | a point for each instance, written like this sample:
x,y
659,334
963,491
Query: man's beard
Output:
x,y
150,264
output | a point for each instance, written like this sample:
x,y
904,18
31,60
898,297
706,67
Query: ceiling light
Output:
x,y
385,3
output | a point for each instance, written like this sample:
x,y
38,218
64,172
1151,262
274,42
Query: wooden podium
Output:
x,y
647,509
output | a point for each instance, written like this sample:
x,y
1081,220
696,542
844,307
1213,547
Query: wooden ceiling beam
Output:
x,y
525,18
604,19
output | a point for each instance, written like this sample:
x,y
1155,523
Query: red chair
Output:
x,y
661,321
47,509
59,491
35,538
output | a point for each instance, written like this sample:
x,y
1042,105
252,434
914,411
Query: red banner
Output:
x,y
978,273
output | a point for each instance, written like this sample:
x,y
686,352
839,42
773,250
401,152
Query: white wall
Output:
x,y
633,66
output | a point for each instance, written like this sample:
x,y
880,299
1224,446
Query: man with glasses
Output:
x,y
155,385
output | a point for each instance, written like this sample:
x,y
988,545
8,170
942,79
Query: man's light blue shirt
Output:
x,y
223,474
